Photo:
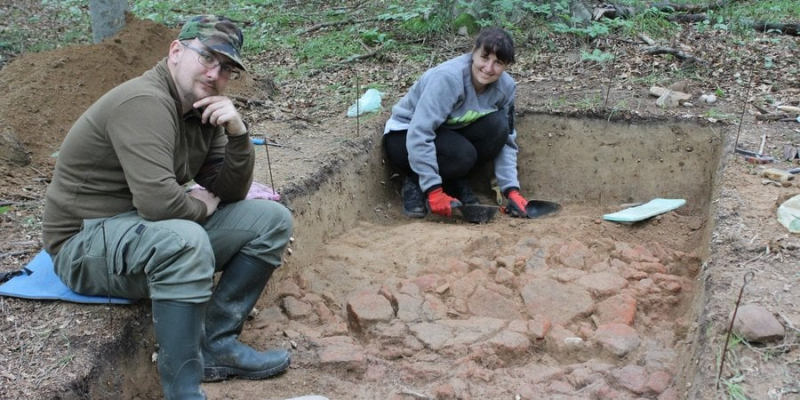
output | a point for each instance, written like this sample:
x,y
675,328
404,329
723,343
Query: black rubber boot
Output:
x,y
179,329
460,189
413,198
236,293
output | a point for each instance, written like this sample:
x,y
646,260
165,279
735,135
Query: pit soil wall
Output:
x,y
374,305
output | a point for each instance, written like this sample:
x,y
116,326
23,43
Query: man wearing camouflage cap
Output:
x,y
119,222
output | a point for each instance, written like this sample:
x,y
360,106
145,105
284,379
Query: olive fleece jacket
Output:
x,y
133,149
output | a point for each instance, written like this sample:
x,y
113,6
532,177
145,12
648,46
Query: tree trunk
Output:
x,y
108,17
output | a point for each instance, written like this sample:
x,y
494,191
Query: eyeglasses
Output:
x,y
207,60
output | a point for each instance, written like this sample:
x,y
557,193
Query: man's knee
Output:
x,y
182,262
275,219
273,224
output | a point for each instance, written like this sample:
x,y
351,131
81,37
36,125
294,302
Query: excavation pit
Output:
x,y
375,305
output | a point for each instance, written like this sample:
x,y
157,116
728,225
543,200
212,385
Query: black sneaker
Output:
x,y
413,199
459,188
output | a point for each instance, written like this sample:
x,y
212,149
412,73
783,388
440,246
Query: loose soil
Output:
x,y
564,307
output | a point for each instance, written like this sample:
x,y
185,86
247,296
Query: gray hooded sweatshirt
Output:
x,y
445,97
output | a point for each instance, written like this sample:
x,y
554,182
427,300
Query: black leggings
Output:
x,y
459,151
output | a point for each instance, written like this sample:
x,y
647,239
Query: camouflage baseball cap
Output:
x,y
218,33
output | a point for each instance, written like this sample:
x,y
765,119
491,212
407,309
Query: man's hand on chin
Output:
x,y
220,111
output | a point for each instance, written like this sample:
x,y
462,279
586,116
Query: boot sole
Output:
x,y
414,214
216,374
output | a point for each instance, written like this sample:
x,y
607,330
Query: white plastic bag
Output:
x,y
789,214
369,102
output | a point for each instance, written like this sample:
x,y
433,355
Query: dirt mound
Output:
x,y
44,93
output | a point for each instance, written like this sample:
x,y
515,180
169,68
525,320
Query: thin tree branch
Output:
x,y
677,53
337,23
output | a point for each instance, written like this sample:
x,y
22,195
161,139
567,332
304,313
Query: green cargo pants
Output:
x,y
127,256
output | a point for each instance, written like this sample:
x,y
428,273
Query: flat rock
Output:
x,y
558,302
757,324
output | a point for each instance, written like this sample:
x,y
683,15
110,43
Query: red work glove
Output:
x,y
440,203
516,205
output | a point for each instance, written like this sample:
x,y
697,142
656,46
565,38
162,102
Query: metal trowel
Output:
x,y
541,208
477,213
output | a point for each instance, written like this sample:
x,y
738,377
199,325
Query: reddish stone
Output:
x,y
669,394
619,339
560,387
364,309
432,335
539,326
427,283
618,264
342,353
659,381
603,284
574,254
619,309
312,298
557,338
537,263
422,371
295,309
411,288
510,345
487,303
633,273
631,377
288,287
558,302
463,288
602,266
433,309
324,313
408,308
507,262
659,251
479,263
375,373
649,267
335,329
605,392
444,392
503,276
757,324
565,275
456,266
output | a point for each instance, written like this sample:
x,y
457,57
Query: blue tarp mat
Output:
x,y
40,282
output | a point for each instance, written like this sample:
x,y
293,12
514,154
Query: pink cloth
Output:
x,y
257,191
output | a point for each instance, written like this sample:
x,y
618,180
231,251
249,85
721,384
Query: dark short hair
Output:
x,y
498,42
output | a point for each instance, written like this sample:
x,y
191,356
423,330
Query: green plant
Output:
x,y
4,209
718,115
735,391
556,104
320,51
621,105
373,37
597,56
468,21
589,103
653,22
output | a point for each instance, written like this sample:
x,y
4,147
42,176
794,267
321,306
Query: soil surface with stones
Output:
x,y
567,307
